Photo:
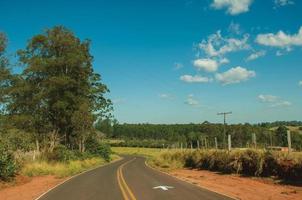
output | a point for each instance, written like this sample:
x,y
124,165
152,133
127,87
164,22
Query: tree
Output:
x,y
57,86
105,126
281,134
82,121
5,74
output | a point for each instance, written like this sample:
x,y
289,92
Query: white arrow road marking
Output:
x,y
163,187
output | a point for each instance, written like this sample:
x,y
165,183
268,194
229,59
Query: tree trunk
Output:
x,y
53,140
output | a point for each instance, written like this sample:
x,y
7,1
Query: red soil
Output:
x,y
26,188
243,188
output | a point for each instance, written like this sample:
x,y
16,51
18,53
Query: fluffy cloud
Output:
x,y
234,7
165,96
191,101
208,65
234,28
266,98
217,45
280,39
256,55
195,79
273,101
300,83
235,75
279,3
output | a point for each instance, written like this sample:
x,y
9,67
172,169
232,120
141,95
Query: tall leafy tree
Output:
x,y
4,70
57,83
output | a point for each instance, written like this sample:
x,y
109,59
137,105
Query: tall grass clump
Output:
x,y
61,169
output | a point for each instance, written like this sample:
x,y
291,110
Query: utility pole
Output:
x,y
224,125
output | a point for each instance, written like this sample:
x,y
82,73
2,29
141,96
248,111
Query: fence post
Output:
x,y
289,141
216,144
229,142
197,144
254,140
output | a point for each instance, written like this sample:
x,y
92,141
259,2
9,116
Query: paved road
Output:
x,y
128,179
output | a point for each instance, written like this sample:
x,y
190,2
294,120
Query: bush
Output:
x,y
61,154
8,166
250,163
99,149
246,162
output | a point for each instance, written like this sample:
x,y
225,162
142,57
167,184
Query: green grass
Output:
x,y
59,169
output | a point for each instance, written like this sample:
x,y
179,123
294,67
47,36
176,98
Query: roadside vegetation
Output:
x,y
249,162
48,107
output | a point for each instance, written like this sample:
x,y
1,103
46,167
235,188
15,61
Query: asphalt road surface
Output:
x,y
128,179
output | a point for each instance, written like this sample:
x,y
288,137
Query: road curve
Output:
x,y
128,179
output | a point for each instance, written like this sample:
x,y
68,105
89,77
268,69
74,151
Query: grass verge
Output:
x,y
61,169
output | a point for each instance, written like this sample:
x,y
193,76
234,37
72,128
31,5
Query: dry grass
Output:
x,y
58,169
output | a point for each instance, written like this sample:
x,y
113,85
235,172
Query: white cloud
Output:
x,y
234,28
273,101
279,3
266,98
165,96
208,65
217,45
235,75
224,61
178,65
280,39
191,101
234,7
195,79
281,104
300,83
256,55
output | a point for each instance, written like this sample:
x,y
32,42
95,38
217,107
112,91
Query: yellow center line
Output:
x,y
126,192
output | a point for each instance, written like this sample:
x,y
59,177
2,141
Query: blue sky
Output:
x,y
181,61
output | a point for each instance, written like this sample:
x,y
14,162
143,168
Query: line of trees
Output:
x,y
57,96
204,134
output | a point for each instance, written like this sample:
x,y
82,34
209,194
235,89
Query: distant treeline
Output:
x,y
201,134
280,123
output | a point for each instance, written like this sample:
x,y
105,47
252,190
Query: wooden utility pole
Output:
x,y
224,125
289,142
216,144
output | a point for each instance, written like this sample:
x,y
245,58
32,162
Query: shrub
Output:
x,y
246,162
99,149
8,166
61,154
270,165
250,163
289,169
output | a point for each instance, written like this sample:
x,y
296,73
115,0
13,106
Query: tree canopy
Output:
x,y
57,96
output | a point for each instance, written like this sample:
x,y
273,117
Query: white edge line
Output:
x,y
211,190
75,176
